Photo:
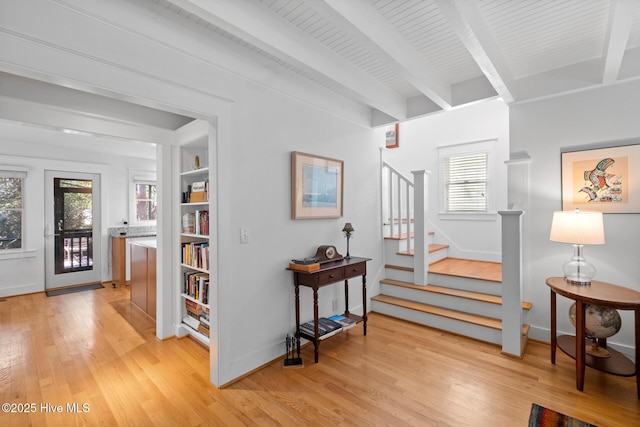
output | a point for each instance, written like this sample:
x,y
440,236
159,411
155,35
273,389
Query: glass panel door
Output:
x,y
73,219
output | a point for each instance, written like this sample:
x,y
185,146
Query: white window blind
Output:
x,y
466,183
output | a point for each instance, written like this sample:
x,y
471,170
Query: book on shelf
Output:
x,y
344,321
196,254
202,223
191,321
193,309
204,329
304,267
189,222
196,285
326,328
199,192
305,261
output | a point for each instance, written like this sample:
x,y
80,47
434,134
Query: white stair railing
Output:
x,y
405,211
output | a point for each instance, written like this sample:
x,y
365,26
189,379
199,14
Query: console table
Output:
x,y
598,293
330,273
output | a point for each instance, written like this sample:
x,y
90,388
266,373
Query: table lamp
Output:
x,y
579,229
347,230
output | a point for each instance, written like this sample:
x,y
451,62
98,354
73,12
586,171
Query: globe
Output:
x,y
599,322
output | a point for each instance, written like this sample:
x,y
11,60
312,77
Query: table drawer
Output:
x,y
331,276
355,270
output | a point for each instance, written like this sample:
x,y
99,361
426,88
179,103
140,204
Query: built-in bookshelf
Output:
x,y
197,277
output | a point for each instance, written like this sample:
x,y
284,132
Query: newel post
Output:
x,y
512,339
420,243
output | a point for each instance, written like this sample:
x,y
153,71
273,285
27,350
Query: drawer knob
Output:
x,y
331,276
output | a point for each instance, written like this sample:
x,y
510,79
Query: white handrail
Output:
x,y
405,211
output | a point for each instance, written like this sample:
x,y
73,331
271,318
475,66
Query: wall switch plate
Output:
x,y
244,235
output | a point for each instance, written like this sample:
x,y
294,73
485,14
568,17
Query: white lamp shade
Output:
x,y
578,228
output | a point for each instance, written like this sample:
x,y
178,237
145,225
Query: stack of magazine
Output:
x,y
327,327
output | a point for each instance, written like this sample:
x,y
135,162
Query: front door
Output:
x,y
72,228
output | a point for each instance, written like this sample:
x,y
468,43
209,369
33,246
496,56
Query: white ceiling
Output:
x,y
397,59
407,58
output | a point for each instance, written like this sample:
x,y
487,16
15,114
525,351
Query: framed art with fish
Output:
x,y
604,179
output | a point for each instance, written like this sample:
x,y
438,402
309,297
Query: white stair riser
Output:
x,y
444,323
465,284
437,256
466,305
402,275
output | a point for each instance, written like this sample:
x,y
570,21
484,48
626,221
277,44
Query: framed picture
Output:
x,y
604,179
316,186
392,136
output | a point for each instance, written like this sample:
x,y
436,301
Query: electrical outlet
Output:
x,y
244,235
334,304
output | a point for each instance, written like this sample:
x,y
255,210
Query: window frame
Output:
x,y
19,173
136,178
461,150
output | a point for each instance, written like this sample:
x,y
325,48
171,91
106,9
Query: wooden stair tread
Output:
x,y
487,322
481,270
476,296
439,311
402,236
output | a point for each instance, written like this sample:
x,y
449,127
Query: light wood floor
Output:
x,y
93,348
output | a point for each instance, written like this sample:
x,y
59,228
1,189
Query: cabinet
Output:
x,y
118,261
143,276
196,278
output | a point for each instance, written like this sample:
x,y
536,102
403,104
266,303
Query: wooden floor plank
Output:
x,y
94,348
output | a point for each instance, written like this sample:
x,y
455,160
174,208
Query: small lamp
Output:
x,y
579,229
347,230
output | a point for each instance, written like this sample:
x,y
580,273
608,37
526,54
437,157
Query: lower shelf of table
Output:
x,y
617,364
355,317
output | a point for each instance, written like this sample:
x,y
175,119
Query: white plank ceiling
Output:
x,y
402,59
407,58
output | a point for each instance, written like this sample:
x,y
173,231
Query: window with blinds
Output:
x,y
465,179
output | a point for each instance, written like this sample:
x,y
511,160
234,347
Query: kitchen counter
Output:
x,y
147,243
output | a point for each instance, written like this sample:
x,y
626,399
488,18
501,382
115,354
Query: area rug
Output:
x,y
74,289
544,417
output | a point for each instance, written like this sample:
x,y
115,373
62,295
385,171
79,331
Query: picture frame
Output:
x,y
392,136
316,186
603,179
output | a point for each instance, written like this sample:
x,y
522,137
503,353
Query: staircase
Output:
x,y
464,297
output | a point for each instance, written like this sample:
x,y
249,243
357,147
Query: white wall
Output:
x,y
541,128
419,142
258,131
258,301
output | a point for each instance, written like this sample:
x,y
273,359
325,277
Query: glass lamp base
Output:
x,y
578,271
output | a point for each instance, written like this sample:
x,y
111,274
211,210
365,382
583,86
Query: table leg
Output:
x,y
554,337
580,350
364,303
297,298
346,297
316,341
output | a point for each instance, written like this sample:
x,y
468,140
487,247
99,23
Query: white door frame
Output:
x,y
53,280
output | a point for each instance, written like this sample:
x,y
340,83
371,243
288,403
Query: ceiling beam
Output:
x,y
256,25
466,19
621,15
79,122
411,64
